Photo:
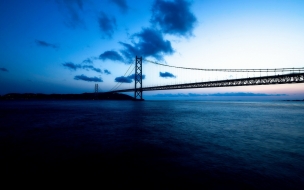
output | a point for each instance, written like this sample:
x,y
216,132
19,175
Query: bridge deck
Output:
x,y
264,80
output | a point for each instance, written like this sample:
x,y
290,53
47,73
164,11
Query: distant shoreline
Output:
x,y
294,100
83,96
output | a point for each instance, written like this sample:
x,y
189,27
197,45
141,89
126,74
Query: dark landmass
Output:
x,y
84,96
294,100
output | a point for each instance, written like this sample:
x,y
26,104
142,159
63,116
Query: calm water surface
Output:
x,y
156,144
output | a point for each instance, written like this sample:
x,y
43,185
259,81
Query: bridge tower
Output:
x,y
96,91
138,79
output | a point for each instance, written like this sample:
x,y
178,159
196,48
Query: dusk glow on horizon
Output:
x,y
67,46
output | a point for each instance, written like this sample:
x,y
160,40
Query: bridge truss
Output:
x,y
263,80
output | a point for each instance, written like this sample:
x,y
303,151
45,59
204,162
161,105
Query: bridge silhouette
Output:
x,y
287,76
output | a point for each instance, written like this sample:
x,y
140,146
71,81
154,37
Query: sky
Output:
x,y
68,46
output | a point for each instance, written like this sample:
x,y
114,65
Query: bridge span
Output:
x,y
264,80
296,75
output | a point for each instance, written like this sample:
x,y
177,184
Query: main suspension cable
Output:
x,y
234,70
119,83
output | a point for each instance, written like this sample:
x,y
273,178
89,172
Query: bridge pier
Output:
x,y
138,79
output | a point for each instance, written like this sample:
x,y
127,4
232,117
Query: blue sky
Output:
x,y
66,46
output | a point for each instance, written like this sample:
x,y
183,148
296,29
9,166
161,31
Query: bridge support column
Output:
x,y
96,91
138,79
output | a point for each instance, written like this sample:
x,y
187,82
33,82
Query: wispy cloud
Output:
x,y
121,4
88,61
74,67
173,17
92,68
106,71
150,42
166,75
88,79
71,66
111,55
71,9
107,25
3,69
46,44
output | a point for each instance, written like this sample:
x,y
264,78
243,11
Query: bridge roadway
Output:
x,y
263,80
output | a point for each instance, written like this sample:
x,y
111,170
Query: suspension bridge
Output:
x,y
269,77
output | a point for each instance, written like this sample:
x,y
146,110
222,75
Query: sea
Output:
x,y
153,144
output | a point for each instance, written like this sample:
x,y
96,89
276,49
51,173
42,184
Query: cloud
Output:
x,y
74,67
166,75
87,61
170,17
71,10
129,52
133,76
218,94
92,68
173,17
71,66
107,25
3,69
112,55
88,79
150,42
106,71
122,5
123,79
127,79
46,44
